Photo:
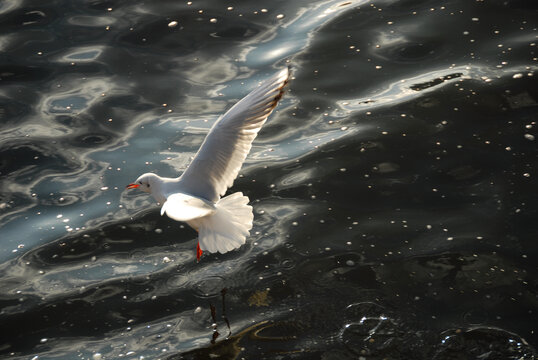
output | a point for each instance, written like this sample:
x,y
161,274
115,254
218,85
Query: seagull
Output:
x,y
195,197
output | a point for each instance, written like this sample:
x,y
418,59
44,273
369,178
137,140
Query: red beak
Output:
x,y
132,186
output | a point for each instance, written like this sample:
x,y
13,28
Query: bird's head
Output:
x,y
144,182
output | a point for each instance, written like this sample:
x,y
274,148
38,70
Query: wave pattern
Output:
x,y
392,187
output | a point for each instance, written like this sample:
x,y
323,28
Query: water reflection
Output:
x,y
91,21
390,187
83,54
298,31
404,90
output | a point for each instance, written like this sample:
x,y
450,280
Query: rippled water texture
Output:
x,y
394,188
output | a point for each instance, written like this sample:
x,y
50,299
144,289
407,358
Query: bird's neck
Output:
x,y
164,187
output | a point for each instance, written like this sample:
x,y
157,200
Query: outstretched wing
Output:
x,y
217,163
183,207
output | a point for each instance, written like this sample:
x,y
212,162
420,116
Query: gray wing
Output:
x,y
217,163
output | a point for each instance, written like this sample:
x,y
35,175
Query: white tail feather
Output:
x,y
228,227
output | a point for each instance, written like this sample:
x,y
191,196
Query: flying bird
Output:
x,y
195,197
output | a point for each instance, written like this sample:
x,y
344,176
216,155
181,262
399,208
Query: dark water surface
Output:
x,y
394,188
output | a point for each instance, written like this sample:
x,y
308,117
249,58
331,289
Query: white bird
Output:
x,y
223,224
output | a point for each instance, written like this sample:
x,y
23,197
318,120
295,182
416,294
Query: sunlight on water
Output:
x,y
390,187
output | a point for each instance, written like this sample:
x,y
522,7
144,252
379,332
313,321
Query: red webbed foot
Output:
x,y
199,252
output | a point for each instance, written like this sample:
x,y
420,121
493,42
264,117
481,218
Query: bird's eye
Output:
x,y
148,185
140,182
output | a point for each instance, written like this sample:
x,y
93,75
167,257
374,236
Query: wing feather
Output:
x,y
217,163
183,207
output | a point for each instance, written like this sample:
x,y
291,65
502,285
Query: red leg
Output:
x,y
199,252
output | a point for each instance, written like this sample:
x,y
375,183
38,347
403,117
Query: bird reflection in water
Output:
x,y
216,334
